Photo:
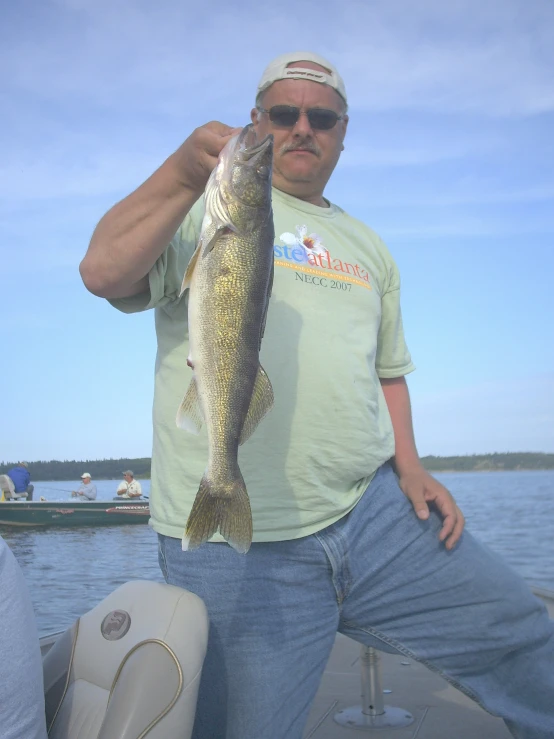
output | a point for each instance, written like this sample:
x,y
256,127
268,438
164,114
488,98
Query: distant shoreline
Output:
x,y
112,469
499,469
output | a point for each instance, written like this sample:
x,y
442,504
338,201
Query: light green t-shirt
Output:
x,y
334,327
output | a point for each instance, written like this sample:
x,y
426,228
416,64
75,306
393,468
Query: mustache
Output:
x,y
302,146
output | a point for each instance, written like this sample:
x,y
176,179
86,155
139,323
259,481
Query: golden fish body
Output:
x,y
230,278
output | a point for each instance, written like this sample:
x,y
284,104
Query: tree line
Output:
x,y
490,462
110,469
100,469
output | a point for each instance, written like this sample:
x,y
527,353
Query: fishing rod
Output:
x,y
64,490
60,490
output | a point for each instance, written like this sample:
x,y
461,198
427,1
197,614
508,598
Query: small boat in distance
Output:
x,y
74,513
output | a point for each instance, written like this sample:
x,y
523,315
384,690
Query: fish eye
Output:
x,y
263,171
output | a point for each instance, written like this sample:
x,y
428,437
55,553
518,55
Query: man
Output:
x,y
129,487
337,545
21,478
87,490
22,703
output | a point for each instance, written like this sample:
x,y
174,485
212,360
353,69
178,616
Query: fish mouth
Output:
x,y
248,144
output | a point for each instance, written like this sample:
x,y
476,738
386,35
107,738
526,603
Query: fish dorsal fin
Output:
x,y
260,404
190,416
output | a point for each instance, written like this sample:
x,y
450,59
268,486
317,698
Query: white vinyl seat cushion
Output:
x,y
129,668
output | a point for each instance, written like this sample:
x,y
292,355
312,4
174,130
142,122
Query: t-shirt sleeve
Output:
x,y
393,358
166,276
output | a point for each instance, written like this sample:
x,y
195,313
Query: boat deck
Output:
x,y
439,710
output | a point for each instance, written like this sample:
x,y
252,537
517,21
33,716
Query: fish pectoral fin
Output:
x,y
187,279
213,511
190,416
260,404
210,238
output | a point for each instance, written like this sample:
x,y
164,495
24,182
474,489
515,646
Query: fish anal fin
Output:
x,y
260,404
189,415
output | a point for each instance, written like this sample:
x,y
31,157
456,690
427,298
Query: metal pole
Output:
x,y
372,689
372,714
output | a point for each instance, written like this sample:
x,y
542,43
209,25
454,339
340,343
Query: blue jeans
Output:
x,y
21,681
380,576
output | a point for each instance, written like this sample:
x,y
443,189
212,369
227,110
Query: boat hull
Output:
x,y
39,514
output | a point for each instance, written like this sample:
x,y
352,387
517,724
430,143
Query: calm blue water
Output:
x,y
70,570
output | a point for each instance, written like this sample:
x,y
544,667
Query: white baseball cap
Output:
x,y
278,69
85,474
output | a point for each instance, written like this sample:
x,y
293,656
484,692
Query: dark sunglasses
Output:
x,y
321,119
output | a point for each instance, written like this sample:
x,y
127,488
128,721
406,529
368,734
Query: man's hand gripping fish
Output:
x,y
229,277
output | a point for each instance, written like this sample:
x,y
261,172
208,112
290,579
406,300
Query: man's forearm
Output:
x,y
134,233
397,397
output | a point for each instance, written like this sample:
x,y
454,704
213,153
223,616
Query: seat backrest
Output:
x,y
130,667
7,489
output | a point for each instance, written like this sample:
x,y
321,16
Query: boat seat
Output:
x,y
130,667
7,490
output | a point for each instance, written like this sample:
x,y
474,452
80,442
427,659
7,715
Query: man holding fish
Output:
x,y
271,300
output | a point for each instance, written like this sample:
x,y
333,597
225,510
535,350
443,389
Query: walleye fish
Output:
x,y
229,278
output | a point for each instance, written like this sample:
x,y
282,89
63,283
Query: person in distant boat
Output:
x,y
129,487
351,533
21,478
22,701
87,491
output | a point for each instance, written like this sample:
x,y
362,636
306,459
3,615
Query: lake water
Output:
x,y
70,570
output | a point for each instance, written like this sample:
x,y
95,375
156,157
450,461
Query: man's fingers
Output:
x,y
417,499
457,530
453,522
215,135
448,526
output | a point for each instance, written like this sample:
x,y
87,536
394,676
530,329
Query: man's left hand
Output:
x,y
421,489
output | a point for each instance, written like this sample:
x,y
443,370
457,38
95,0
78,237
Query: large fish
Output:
x,y
229,277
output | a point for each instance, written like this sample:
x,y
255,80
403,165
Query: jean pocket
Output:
x,y
162,561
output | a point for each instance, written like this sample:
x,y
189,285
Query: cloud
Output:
x,y
362,156
494,58
466,226
481,193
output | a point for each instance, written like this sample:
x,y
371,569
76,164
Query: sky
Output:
x,y
449,157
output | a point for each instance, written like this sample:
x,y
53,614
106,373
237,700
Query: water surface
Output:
x,y
70,570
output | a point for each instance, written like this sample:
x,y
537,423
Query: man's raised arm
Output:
x,y
134,233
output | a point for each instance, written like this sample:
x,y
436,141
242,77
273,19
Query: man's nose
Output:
x,y
302,126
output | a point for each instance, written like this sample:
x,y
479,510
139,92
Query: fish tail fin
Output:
x,y
227,512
